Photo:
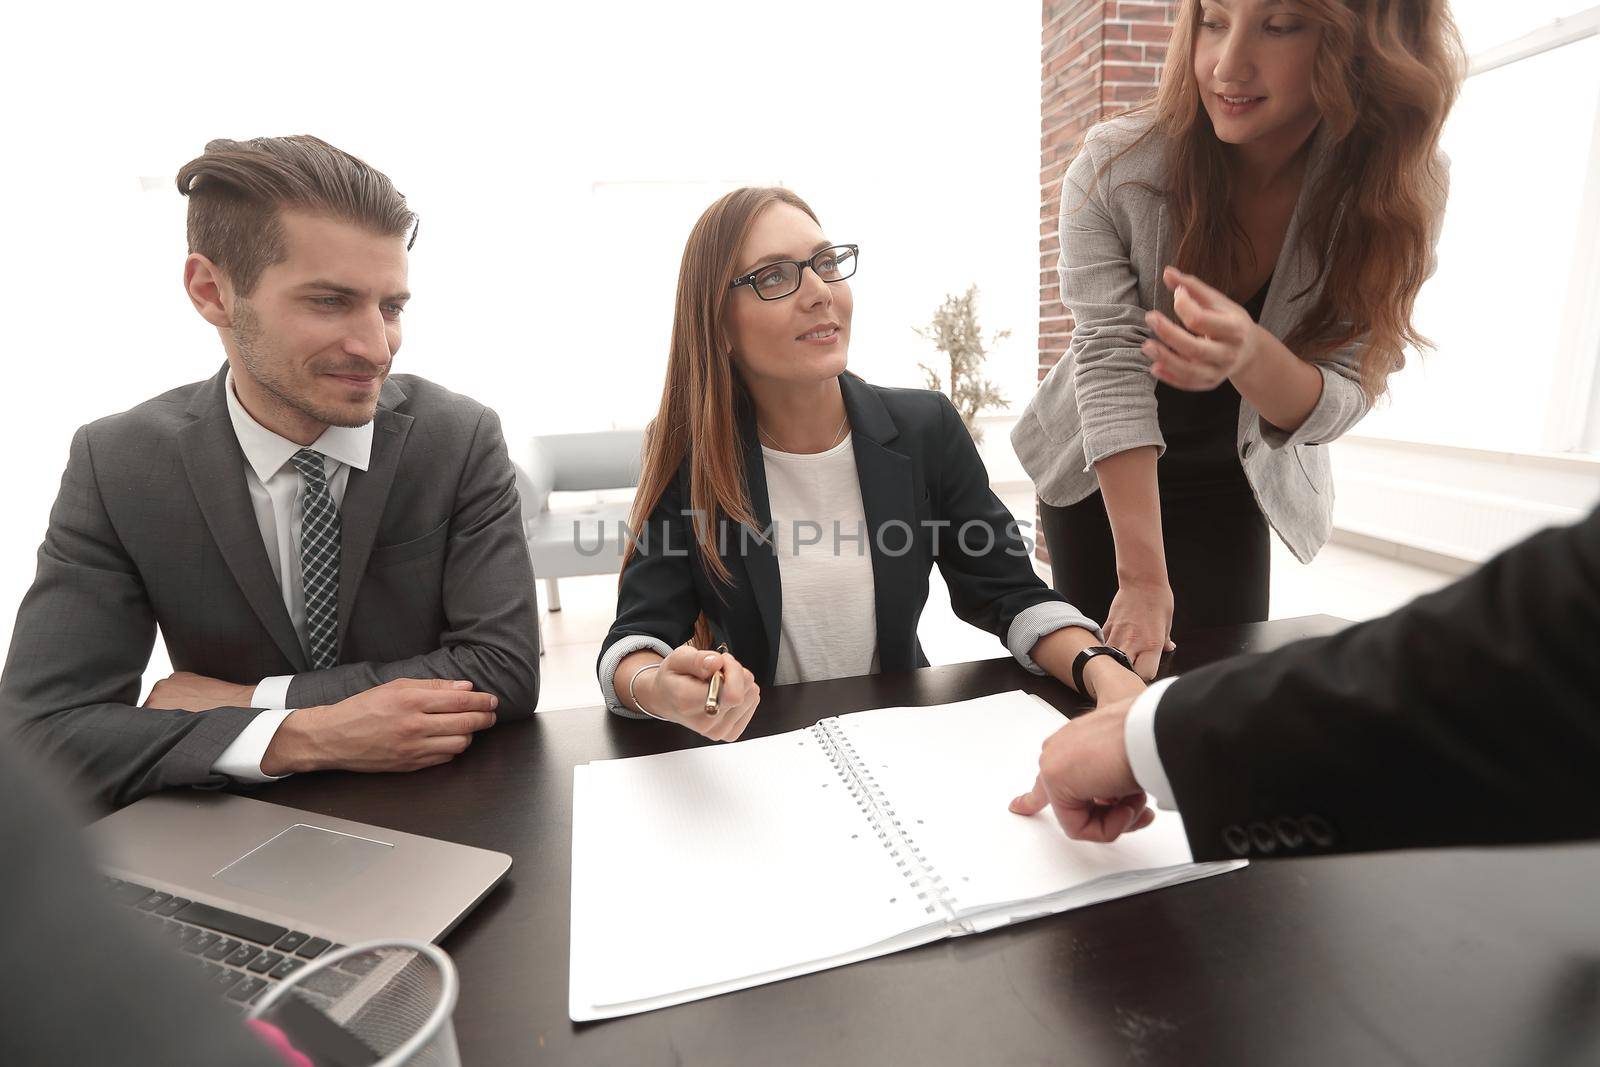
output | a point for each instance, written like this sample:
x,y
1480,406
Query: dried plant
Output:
x,y
954,331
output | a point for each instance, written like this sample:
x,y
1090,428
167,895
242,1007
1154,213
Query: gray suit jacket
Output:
x,y
1100,400
153,526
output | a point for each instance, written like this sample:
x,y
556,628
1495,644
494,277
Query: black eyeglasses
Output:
x,y
774,281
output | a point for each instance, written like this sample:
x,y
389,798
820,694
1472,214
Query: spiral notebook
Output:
x,y
860,836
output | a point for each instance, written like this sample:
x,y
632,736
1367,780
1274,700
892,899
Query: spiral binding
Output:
x,y
893,835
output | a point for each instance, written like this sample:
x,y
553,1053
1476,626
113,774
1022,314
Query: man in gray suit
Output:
x,y
334,555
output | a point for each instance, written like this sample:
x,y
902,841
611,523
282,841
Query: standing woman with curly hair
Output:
x,y
1241,256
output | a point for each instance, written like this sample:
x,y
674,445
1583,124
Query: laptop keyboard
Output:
x,y
241,957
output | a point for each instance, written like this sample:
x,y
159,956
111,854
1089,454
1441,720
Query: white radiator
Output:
x,y
1464,504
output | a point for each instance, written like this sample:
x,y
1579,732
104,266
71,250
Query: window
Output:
x,y
1514,308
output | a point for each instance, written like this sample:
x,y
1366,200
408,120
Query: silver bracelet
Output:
x,y
635,697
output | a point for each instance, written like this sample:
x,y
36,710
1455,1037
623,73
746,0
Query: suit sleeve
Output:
x,y
1099,285
657,604
1470,716
980,551
79,649
491,635
1343,402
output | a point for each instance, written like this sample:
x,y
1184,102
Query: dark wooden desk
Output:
x,y
1424,957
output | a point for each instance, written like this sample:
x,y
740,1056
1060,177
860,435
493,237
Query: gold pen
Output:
x,y
714,690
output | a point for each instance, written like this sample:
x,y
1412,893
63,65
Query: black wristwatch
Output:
x,y
1090,653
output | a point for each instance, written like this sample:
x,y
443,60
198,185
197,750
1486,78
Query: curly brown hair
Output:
x,y
1386,74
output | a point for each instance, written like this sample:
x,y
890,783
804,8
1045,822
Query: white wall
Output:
x,y
1497,305
543,150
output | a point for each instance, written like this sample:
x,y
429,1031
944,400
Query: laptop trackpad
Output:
x,y
303,863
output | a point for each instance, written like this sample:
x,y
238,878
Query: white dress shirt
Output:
x,y
1139,738
275,489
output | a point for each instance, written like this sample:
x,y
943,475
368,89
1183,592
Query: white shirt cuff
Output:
x,y
1139,738
272,693
242,758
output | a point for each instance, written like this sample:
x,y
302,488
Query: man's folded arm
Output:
x,y
1466,717
492,620
241,760
79,649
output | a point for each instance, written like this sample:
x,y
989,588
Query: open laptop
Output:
x,y
254,890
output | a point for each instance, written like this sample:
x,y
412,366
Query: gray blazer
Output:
x,y
153,526
1100,399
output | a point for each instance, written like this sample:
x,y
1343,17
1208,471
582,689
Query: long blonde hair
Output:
x,y
703,396
1385,77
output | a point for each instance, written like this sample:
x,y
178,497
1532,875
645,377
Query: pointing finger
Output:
x,y
1031,802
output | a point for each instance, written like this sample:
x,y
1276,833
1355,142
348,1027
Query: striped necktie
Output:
x,y
319,560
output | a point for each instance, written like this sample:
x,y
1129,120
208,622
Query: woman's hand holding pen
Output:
x,y
1218,338
678,692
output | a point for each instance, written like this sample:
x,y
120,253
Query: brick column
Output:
x,y
1098,58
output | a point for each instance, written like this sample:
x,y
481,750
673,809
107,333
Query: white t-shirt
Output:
x,y
830,619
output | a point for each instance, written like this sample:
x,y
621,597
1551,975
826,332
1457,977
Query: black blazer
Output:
x,y
917,465
1469,717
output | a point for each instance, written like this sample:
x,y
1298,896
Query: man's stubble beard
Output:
x,y
257,354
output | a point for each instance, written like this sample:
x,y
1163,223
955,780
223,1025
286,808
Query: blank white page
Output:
x,y
698,868
952,771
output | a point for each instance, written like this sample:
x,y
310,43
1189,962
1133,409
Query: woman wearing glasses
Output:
x,y
1241,257
790,513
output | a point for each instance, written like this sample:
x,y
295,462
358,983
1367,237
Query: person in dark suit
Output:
x,y
1470,716
792,512
80,982
334,555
